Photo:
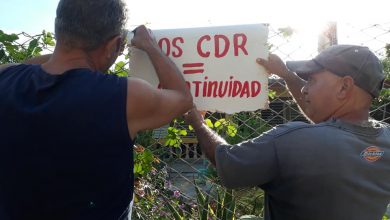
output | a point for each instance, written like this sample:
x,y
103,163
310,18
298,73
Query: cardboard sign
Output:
x,y
218,64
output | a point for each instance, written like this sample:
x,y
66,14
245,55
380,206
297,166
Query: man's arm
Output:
x,y
207,138
5,66
38,59
294,83
149,107
236,163
34,60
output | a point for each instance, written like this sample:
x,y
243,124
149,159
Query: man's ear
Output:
x,y
346,87
113,46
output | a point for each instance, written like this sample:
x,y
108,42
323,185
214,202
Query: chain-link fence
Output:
x,y
185,185
173,180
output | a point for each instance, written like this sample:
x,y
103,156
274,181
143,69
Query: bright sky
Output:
x,y
36,15
307,16
30,16
176,13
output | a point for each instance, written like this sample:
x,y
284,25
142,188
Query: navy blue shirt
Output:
x,y
65,149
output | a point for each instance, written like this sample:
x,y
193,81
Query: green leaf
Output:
x,y
33,44
228,200
271,94
183,132
2,54
231,131
37,51
8,37
177,143
200,196
205,209
190,128
120,69
119,66
148,156
220,201
138,168
223,121
11,48
209,123
174,212
172,142
32,49
48,39
231,210
286,32
217,124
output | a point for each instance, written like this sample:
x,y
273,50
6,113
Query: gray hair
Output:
x,y
86,24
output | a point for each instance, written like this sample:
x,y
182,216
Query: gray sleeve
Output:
x,y
250,163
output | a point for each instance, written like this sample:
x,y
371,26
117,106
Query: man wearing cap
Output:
x,y
337,168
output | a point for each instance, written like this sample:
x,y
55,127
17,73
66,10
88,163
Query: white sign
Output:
x,y
218,63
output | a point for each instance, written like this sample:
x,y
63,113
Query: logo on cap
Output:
x,y
372,153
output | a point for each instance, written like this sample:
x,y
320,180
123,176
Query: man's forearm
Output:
x,y
169,75
295,85
208,141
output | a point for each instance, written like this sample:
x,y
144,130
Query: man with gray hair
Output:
x,y
337,168
67,129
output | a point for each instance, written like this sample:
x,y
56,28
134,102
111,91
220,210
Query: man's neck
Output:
x,y
358,117
63,60
354,110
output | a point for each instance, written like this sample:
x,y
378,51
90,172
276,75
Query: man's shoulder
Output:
x,y
297,126
384,126
292,126
6,66
381,124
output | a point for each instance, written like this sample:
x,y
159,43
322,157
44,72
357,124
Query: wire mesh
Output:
x,y
185,165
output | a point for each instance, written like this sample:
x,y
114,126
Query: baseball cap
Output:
x,y
345,60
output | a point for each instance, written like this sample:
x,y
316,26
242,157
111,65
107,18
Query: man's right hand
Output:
x,y
143,39
274,65
147,106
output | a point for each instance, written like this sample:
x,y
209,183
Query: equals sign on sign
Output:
x,y
193,68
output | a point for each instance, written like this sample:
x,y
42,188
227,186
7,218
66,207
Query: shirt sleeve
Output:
x,y
250,163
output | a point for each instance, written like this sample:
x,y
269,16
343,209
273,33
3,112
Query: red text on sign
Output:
x,y
221,45
165,45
